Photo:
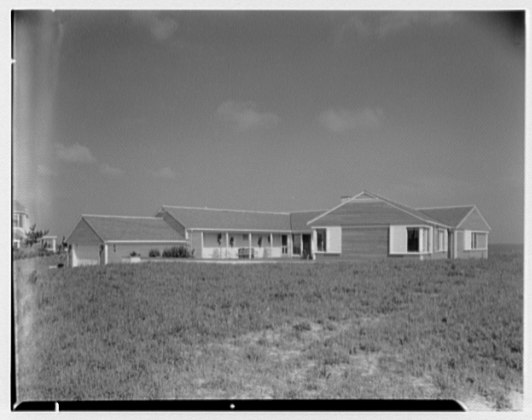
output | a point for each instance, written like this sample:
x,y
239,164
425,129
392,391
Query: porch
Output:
x,y
253,245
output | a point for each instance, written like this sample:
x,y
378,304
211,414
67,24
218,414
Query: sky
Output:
x,y
120,112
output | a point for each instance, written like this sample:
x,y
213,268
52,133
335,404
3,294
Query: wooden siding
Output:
x,y
361,243
474,222
83,234
366,213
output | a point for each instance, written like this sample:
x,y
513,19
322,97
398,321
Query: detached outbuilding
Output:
x,y
99,240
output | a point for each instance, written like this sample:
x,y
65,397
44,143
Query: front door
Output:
x,y
284,244
306,246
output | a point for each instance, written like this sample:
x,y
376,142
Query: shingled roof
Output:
x,y
451,216
126,228
222,219
369,206
299,219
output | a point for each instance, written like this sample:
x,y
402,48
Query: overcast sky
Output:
x,y
121,112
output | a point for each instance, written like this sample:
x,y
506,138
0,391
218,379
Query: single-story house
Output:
x,y
363,226
49,242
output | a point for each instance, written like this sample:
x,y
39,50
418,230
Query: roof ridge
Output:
x,y
122,217
460,206
407,209
231,210
306,211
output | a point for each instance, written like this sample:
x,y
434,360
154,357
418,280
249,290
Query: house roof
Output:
x,y
223,219
299,219
19,208
125,228
368,207
451,216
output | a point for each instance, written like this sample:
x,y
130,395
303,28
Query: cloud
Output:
x,y
74,154
165,173
161,25
344,120
77,153
244,115
110,170
383,24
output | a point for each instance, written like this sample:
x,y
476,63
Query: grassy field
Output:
x,y
392,329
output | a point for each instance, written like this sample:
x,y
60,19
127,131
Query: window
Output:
x,y
321,235
441,240
413,239
410,240
232,242
284,244
17,220
478,240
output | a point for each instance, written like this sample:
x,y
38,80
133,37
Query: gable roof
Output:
x,y
369,200
126,228
451,216
223,219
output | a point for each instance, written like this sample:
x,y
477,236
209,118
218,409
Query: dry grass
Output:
x,y
392,329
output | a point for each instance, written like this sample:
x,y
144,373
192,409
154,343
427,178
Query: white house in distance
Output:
x,y
21,223
359,227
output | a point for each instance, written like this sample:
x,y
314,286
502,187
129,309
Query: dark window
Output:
x,y
413,239
322,240
284,244
296,242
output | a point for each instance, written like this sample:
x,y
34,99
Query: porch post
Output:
x,y
290,245
105,254
271,244
201,244
249,244
226,244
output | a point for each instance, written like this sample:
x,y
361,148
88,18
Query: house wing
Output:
x,y
451,216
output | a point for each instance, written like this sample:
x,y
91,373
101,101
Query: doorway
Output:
x,y
307,255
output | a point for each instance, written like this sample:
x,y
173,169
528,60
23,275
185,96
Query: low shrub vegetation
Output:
x,y
389,329
154,253
181,251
